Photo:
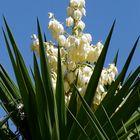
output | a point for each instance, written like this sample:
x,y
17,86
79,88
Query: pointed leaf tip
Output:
x,y
116,58
113,25
114,22
137,39
38,22
5,22
4,18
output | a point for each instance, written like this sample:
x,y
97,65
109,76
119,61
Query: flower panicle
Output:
x,y
78,54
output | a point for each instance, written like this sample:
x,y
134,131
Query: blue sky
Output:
x,y
21,16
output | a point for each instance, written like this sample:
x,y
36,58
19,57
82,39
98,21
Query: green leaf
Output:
x,y
125,68
101,135
116,58
17,74
45,39
7,135
10,84
128,108
18,56
112,133
9,104
86,137
137,130
123,137
91,88
42,104
131,121
45,71
72,106
111,92
60,98
122,93
25,85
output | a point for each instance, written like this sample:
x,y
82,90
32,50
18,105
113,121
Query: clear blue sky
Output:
x,y
21,16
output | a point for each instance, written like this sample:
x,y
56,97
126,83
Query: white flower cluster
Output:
x,y
56,28
107,77
75,11
78,55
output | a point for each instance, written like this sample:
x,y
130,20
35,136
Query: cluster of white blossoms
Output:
x,y
78,55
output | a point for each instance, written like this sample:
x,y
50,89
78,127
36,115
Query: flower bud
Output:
x,y
70,11
61,40
83,11
64,69
100,88
86,38
99,45
66,86
70,77
81,25
112,68
50,15
82,3
97,98
88,71
89,37
77,15
56,28
71,66
54,83
35,44
69,21
75,3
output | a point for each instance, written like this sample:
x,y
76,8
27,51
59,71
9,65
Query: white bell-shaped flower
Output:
x,y
80,25
83,11
77,15
70,11
56,28
75,3
69,21
61,40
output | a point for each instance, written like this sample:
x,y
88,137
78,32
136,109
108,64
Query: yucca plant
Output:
x,y
39,111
